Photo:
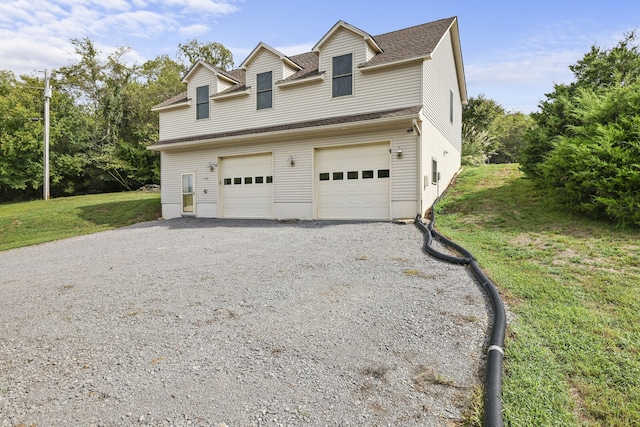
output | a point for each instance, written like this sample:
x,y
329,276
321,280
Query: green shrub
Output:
x,y
595,167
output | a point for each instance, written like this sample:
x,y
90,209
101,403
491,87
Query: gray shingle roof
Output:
x,y
181,97
410,42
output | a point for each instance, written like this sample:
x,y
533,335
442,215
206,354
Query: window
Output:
x,y
202,102
269,179
383,173
265,90
324,176
248,180
259,179
450,105
237,181
352,175
342,75
337,176
434,171
227,181
367,174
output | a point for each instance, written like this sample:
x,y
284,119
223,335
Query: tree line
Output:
x,y
100,120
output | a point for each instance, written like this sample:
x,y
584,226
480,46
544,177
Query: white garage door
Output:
x,y
353,182
247,186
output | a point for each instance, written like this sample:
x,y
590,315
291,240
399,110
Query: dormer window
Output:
x,y
264,83
342,75
202,102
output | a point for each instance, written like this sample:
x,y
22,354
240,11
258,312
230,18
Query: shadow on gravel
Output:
x,y
184,223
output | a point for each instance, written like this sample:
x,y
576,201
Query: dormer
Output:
x,y
202,72
263,57
368,47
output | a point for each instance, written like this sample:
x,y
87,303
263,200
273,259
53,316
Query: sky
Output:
x,y
513,51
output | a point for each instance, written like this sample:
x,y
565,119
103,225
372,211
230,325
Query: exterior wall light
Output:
x,y
291,161
396,150
212,166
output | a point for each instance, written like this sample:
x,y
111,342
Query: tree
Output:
x,y
598,70
509,130
21,136
212,53
585,146
155,81
101,121
480,112
595,167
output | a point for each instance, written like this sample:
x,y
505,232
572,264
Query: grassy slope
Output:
x,y
573,350
23,224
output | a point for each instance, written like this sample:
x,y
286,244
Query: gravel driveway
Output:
x,y
238,323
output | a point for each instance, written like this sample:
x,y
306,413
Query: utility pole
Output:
x,y
47,97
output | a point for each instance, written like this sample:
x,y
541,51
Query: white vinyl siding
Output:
x,y
440,87
293,186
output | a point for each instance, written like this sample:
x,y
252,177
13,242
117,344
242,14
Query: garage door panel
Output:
x,y
247,186
353,182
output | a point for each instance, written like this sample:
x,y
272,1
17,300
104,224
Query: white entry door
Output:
x,y
188,194
353,182
246,186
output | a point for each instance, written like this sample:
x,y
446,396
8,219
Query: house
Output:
x,y
361,127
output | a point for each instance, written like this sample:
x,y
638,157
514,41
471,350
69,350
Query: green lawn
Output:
x,y
573,348
24,224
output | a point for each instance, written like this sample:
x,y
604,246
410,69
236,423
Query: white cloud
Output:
x,y
116,5
37,33
141,23
295,49
216,8
194,30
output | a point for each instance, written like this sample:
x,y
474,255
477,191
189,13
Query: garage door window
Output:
x,y
383,173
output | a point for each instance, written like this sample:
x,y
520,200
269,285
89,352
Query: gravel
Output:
x,y
213,322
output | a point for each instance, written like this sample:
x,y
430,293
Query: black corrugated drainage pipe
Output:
x,y
495,352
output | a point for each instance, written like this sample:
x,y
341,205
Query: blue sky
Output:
x,y
513,51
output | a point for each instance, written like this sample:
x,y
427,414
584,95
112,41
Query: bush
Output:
x,y
595,167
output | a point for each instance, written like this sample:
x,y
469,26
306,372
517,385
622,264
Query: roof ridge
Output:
x,y
417,25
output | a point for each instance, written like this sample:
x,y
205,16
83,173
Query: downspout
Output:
x,y
418,131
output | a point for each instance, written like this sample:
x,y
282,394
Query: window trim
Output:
x,y
260,91
200,102
335,77
451,105
434,171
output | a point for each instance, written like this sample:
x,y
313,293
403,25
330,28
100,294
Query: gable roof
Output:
x,y
225,75
343,25
263,46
